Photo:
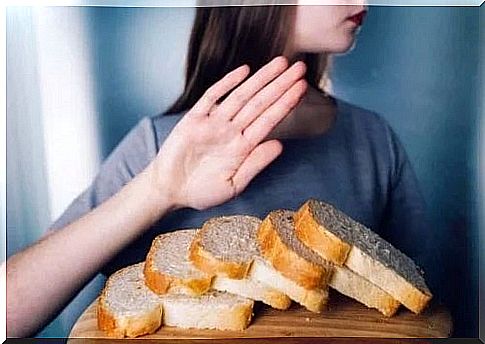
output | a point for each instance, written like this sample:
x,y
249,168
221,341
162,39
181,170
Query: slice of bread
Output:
x,y
226,247
352,285
213,310
343,241
126,306
281,247
168,268
342,279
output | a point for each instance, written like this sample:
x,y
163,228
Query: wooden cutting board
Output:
x,y
343,318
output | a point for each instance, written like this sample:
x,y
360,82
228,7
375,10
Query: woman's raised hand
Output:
x,y
216,149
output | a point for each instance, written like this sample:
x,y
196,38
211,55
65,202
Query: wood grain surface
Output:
x,y
343,318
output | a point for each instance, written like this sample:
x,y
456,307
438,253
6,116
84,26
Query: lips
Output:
x,y
358,18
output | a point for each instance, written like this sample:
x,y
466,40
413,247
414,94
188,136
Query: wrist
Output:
x,y
161,196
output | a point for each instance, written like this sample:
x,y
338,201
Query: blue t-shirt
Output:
x,y
359,166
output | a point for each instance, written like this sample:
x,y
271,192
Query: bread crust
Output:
x,y
357,287
241,319
120,327
162,283
315,300
388,280
305,273
277,300
205,261
314,235
107,322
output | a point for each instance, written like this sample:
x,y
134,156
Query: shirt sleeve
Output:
x,y
129,158
406,222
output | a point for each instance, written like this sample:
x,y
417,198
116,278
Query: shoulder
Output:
x,y
163,125
366,125
137,147
369,129
361,119
144,139
142,142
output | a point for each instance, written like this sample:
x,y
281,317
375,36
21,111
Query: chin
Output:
x,y
344,43
344,46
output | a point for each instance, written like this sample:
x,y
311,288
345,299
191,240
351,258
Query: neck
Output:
x,y
314,116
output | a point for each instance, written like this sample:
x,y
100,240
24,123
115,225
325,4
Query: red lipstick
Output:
x,y
358,18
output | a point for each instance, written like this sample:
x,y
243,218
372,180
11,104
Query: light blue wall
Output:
x,y
138,64
481,174
28,203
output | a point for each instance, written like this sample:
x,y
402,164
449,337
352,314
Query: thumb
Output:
x,y
255,162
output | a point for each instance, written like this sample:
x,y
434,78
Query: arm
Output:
x,y
209,157
42,277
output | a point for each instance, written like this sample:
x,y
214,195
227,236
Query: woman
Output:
x,y
251,133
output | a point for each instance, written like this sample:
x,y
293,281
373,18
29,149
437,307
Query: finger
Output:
x,y
219,89
268,95
263,125
241,95
257,160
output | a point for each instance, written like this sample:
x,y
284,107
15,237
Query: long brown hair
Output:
x,y
224,38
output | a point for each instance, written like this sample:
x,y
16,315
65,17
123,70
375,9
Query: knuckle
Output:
x,y
239,98
238,94
194,113
287,104
246,142
215,111
268,122
257,102
272,122
258,79
210,95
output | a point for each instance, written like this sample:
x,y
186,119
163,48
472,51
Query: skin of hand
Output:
x,y
216,149
210,156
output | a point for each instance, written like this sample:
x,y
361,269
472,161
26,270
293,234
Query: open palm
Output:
x,y
217,149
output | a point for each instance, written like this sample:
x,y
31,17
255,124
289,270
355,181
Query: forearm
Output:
x,y
42,278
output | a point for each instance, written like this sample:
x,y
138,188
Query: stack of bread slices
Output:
x,y
209,278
